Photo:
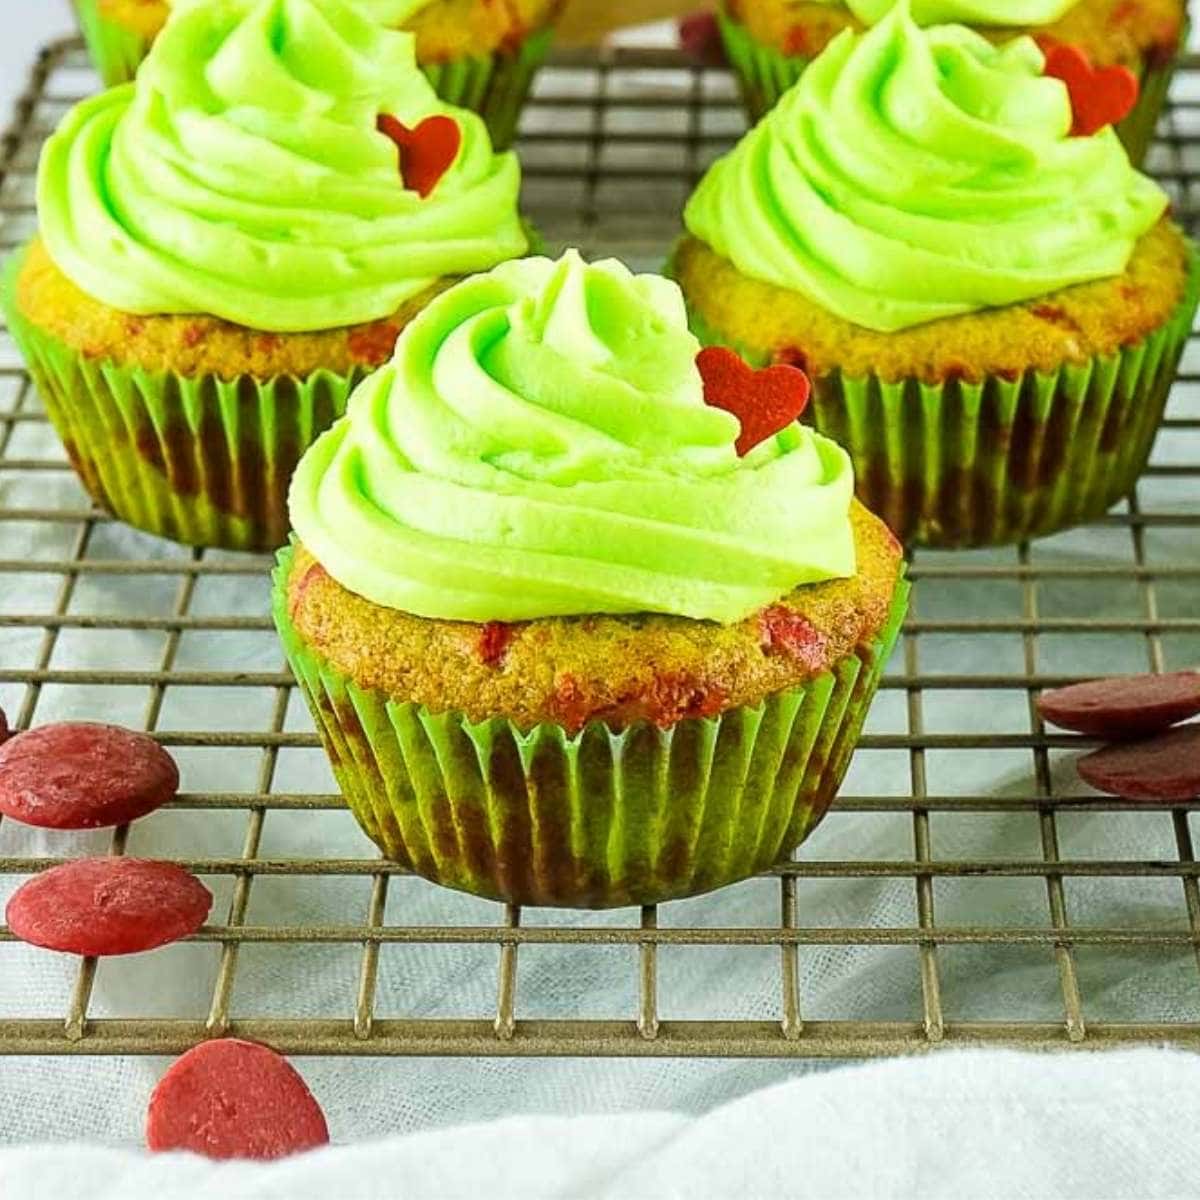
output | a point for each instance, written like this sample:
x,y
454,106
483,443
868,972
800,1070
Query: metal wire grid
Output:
x,y
611,149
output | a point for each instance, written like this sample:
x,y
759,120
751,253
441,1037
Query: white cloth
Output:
x,y
953,1126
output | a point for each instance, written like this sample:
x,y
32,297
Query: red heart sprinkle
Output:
x,y
426,152
1100,96
766,402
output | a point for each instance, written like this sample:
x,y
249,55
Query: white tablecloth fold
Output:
x,y
953,1125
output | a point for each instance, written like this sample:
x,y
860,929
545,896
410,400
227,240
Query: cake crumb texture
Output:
x,y
195,345
1043,334
571,671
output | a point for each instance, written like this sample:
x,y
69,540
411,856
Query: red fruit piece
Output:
x,y
233,1099
1129,706
700,36
1166,767
765,402
427,152
1100,96
83,776
3,728
103,906
494,638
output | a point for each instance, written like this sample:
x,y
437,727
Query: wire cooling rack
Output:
x,y
611,148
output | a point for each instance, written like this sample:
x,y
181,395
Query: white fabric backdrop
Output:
x,y
945,1127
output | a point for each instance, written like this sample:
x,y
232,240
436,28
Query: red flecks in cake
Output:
x,y
372,344
494,639
785,631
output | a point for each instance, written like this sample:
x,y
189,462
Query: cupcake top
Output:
x,y
914,174
540,446
282,164
975,12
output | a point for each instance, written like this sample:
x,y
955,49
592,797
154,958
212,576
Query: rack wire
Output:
x,y
612,146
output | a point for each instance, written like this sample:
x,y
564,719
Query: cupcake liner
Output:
x,y
599,819
765,73
1001,460
199,459
116,51
1138,130
495,86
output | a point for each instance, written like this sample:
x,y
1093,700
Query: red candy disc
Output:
x,y
1166,767
1128,706
234,1099
83,776
426,152
104,906
766,402
1100,96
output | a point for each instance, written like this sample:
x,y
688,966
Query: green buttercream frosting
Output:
x,y
975,12
917,174
540,446
242,175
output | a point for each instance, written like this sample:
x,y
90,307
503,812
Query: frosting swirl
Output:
x,y
917,174
242,175
540,446
973,12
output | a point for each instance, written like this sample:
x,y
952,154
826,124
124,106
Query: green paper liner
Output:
x,y
199,459
495,86
116,51
765,73
1001,460
600,819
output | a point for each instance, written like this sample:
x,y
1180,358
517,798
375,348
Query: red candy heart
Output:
x,y
1100,96
766,402
426,152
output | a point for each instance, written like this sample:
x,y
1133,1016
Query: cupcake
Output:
x,y
991,309
571,634
478,54
770,42
229,244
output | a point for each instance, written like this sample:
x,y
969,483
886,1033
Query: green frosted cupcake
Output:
x,y
992,310
229,244
771,42
478,54
568,637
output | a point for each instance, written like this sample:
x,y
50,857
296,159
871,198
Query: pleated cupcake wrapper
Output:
x,y
765,73
116,51
597,819
202,460
495,86
1001,460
